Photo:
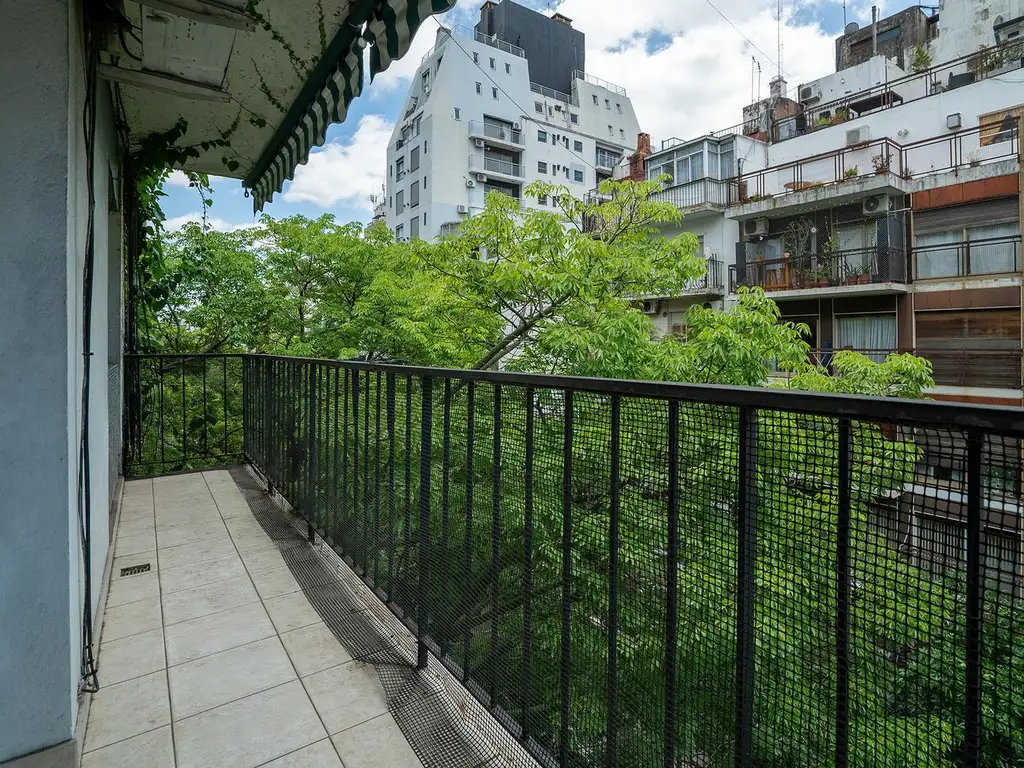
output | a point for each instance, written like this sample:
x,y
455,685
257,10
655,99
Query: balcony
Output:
x,y
551,93
862,271
698,196
606,160
496,166
575,570
854,172
975,258
500,135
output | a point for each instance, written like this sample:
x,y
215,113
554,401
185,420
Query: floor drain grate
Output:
x,y
135,570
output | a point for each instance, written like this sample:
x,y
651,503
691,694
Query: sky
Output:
x,y
686,65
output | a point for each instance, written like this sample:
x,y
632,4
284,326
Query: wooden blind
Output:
x,y
983,328
960,217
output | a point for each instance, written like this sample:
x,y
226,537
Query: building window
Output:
x,y
479,88
391,202
542,136
611,131
868,332
399,232
619,108
492,63
426,80
577,176
424,218
538,108
400,201
595,100
690,168
542,200
414,159
414,227
622,133
458,113
419,119
414,194
424,182
476,57
542,167
494,93
400,168
577,146
574,118
508,69
566,172
424,146
608,104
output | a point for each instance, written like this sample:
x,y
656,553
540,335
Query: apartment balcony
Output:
x,y
863,272
497,135
858,171
988,257
699,196
463,568
497,167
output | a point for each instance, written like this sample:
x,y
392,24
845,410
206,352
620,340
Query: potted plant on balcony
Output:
x,y
841,116
851,173
864,274
880,163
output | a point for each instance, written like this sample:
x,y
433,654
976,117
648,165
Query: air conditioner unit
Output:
x,y
650,306
810,93
517,126
481,177
470,183
400,143
858,135
755,227
873,206
479,143
462,208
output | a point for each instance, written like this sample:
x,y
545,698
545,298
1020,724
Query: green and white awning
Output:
x,y
390,28
394,25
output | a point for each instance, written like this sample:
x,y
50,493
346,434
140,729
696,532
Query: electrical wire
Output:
x,y
749,41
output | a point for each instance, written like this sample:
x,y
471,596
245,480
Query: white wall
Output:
x,y
966,26
42,163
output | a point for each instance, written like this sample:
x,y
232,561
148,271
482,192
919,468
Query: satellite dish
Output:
x,y
852,27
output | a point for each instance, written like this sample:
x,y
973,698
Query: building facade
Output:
x,y
481,116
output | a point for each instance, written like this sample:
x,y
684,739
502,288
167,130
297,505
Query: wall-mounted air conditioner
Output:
x,y
810,93
517,126
858,135
481,177
873,206
470,183
650,306
755,227
462,208
479,143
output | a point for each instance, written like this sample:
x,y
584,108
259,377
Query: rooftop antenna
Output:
x,y
753,63
778,21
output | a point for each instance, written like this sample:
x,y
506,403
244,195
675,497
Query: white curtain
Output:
x,y
864,332
989,257
934,260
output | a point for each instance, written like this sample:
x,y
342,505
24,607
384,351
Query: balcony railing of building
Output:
x,y
492,40
483,164
710,193
982,64
648,574
551,93
969,258
951,367
606,159
579,74
503,133
856,266
675,141
882,157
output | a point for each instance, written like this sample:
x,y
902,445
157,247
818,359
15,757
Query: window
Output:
x,y
419,119
608,104
414,194
868,332
619,108
726,163
424,182
542,200
391,202
577,146
399,232
554,139
542,167
424,218
424,146
414,159
494,93
476,57
439,58
574,118
391,171
400,201
542,136
414,227
458,113
538,108
479,88
595,100
492,63
508,69
667,169
622,133
690,168
400,168
611,131
426,80
578,176
566,169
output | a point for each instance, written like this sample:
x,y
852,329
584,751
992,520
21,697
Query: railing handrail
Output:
x,y
579,74
501,132
552,93
964,249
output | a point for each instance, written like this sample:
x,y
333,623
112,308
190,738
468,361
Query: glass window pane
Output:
x,y
862,332
938,254
993,248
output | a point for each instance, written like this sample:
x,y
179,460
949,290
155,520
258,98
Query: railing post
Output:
x,y
526,684
311,450
843,594
495,539
565,660
422,614
672,586
975,604
746,585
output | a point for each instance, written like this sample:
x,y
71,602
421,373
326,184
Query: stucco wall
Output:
x,y
42,239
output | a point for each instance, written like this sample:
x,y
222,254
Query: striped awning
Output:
x,y
390,29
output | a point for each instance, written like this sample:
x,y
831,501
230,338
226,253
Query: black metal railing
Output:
x,y
986,256
702,193
855,266
654,574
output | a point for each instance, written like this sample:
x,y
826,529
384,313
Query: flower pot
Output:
x,y
823,282
863,279
851,279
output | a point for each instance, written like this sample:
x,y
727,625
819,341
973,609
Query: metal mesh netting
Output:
x,y
664,575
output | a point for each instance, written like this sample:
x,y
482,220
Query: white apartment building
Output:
x,y
483,115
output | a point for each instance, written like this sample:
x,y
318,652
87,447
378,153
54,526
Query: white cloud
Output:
x,y
177,222
400,72
177,179
345,173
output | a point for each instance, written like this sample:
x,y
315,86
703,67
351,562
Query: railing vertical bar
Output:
x,y
158,367
975,604
671,587
358,510
566,650
423,529
392,506
527,670
206,421
332,516
495,540
446,459
184,417
612,725
311,454
408,473
376,483
746,585
845,448
367,505
468,566
224,397
344,522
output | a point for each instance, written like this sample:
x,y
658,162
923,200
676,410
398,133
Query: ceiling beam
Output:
x,y
157,81
204,12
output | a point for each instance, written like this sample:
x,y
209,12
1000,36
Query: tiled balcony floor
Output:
x,y
215,657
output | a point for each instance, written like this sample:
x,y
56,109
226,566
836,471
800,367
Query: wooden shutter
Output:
x,y
990,328
959,217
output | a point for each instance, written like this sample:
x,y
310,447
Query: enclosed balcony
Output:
x,y
863,271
